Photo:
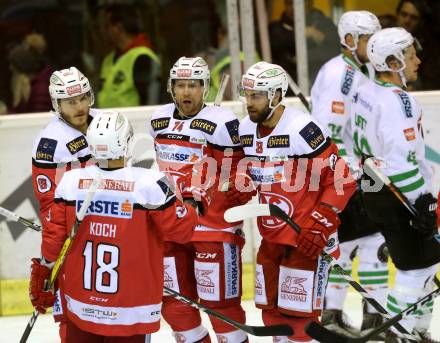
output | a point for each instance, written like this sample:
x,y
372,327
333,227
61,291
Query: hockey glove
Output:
x,y
40,297
425,222
237,196
316,229
198,198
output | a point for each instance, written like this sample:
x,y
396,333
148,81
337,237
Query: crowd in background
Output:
x,y
126,48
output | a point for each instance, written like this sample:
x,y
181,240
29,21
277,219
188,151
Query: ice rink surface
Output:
x,y
45,330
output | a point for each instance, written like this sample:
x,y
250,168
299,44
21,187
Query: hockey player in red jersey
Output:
x,y
62,145
296,167
113,283
187,132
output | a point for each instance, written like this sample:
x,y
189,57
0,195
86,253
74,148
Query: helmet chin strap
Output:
x,y
356,57
353,51
272,110
402,78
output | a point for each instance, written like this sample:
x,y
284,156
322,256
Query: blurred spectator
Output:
x,y
322,39
30,76
411,14
387,20
130,73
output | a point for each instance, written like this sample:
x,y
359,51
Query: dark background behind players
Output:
x,y
175,27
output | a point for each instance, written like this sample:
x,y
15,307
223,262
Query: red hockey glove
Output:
x,y
322,222
40,298
239,190
196,196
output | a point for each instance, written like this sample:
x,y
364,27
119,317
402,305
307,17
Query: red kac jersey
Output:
x,y
114,270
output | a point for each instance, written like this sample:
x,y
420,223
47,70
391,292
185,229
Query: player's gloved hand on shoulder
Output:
x,y
316,229
194,195
425,222
40,297
197,197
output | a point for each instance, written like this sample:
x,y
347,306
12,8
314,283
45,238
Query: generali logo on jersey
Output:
x,y
109,184
184,72
258,285
292,289
167,279
71,90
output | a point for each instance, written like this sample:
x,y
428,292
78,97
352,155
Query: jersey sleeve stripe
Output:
x,y
58,165
404,176
223,148
412,186
46,165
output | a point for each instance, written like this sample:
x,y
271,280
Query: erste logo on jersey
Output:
x,y
313,135
203,125
347,80
179,154
46,149
160,123
282,202
282,141
109,206
267,175
77,144
405,101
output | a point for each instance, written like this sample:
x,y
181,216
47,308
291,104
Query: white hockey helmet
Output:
x,y
109,136
388,42
266,77
357,23
190,68
67,83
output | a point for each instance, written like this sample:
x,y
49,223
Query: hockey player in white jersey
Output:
x,y
62,145
387,124
186,133
331,94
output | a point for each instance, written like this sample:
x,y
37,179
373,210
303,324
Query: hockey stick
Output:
x,y
297,91
249,211
371,165
16,218
221,89
62,256
271,330
322,334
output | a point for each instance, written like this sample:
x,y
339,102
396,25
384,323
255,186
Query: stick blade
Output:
x,y
271,330
242,212
323,335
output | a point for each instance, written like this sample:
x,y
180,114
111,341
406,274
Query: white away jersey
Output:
x,y
387,123
331,97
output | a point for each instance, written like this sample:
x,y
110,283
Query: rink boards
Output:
x,y
19,245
